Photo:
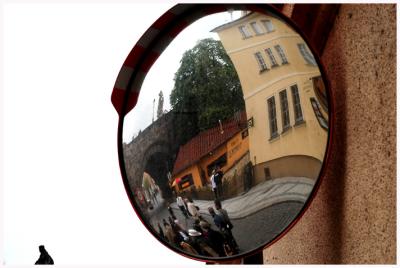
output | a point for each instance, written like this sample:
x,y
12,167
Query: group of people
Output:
x,y
200,238
216,182
187,207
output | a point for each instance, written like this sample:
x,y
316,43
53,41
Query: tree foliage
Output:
x,y
206,89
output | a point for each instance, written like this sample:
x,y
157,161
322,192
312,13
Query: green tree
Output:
x,y
206,89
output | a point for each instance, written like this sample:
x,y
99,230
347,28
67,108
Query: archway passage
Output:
x,y
158,165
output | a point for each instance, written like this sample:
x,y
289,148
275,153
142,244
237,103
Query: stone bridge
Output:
x,y
153,151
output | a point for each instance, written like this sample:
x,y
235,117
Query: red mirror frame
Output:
x,y
147,50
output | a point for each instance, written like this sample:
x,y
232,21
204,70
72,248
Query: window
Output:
x,y
320,92
273,127
284,110
261,62
185,181
321,119
298,114
244,31
306,54
271,57
268,25
279,49
256,28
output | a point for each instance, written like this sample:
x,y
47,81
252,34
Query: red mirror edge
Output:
x,y
142,56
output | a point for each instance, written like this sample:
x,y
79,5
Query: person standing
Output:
x,y
44,257
228,226
221,225
194,212
213,238
161,232
181,205
218,220
169,233
218,181
223,214
200,245
171,212
213,184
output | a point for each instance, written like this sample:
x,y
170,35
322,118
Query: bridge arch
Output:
x,y
158,162
153,151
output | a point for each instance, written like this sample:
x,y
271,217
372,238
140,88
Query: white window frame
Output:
x,y
260,61
256,28
245,31
271,56
318,114
281,53
296,100
308,57
268,25
285,113
273,124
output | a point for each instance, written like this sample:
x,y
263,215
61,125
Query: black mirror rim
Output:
x,y
189,13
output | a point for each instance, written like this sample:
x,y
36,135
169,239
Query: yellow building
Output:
x,y
284,97
221,146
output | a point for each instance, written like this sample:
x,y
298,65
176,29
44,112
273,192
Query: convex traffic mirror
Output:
x,y
223,148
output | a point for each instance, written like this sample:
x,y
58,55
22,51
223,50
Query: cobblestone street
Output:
x,y
258,216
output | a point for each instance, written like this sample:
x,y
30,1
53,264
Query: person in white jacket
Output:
x,y
182,206
194,212
214,184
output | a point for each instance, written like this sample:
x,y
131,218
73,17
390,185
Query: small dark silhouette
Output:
x,y
44,258
218,176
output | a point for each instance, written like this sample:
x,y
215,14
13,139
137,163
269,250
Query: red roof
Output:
x,y
206,141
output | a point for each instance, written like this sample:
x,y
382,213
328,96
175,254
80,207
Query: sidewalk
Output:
x,y
262,196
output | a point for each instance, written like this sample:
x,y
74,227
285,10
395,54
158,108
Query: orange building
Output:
x,y
223,146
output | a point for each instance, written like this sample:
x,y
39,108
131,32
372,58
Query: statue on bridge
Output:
x,y
160,110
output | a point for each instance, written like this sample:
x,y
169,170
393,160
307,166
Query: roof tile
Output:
x,y
206,141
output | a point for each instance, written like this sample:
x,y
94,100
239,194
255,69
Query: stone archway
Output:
x,y
153,151
158,161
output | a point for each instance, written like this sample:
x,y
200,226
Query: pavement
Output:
x,y
263,195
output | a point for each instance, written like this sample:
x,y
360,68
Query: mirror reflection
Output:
x,y
231,150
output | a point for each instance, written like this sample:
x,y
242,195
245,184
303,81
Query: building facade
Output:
x,y
222,146
284,97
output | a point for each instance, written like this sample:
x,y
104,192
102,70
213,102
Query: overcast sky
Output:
x,y
61,181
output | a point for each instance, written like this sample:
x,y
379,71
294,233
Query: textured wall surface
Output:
x,y
353,217
156,138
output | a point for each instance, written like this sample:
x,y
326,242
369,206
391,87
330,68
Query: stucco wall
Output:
x,y
353,217
299,166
